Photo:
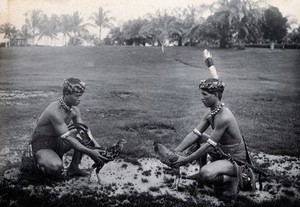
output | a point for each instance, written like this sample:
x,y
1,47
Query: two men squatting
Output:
x,y
51,138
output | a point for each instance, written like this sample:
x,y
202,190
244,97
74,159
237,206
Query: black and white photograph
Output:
x,y
149,103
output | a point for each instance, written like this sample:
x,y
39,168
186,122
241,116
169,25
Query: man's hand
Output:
x,y
181,161
98,158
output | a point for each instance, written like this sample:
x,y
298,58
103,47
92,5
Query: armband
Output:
x,y
209,62
211,142
65,135
196,131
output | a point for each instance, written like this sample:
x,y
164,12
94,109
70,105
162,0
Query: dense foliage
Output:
x,y
231,22
274,26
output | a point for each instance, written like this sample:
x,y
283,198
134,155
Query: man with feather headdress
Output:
x,y
225,135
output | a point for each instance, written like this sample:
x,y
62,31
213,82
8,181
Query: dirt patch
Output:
x,y
264,79
9,97
263,99
124,94
126,183
160,129
113,113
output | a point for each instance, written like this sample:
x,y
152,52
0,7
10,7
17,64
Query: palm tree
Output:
x,y
65,27
190,20
76,26
102,20
116,35
24,33
135,30
34,22
9,31
49,27
162,25
237,17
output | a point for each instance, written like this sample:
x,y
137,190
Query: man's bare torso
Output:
x,y
44,124
232,134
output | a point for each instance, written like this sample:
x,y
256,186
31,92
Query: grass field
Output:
x,y
142,95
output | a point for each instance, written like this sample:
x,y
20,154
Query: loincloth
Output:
x,y
41,141
235,150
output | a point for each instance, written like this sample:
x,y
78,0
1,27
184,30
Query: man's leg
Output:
x,y
201,162
221,172
49,162
189,143
73,169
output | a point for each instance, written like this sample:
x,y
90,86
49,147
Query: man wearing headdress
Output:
x,y
225,134
51,138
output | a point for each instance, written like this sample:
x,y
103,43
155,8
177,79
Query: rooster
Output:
x,y
111,153
167,157
85,137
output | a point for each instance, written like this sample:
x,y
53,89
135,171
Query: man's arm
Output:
x,y
77,115
78,119
221,125
194,136
62,129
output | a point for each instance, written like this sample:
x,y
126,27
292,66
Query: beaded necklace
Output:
x,y
64,105
216,110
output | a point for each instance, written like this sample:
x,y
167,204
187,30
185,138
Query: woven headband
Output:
x,y
212,85
74,87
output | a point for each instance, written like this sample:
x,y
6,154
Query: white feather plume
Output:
x,y
212,69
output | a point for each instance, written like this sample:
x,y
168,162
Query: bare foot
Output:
x,y
76,173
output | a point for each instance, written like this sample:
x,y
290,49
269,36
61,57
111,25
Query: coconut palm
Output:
x,y
34,22
190,20
76,26
9,31
102,20
24,33
162,26
49,27
65,27
116,35
237,18
135,30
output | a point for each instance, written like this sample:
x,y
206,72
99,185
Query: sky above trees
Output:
x,y
122,11
13,11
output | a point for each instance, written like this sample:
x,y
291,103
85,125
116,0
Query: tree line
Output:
x,y
231,22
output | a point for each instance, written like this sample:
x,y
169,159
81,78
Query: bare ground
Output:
x,y
146,182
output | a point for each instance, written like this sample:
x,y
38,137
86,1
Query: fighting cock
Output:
x,y
111,153
167,157
84,136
